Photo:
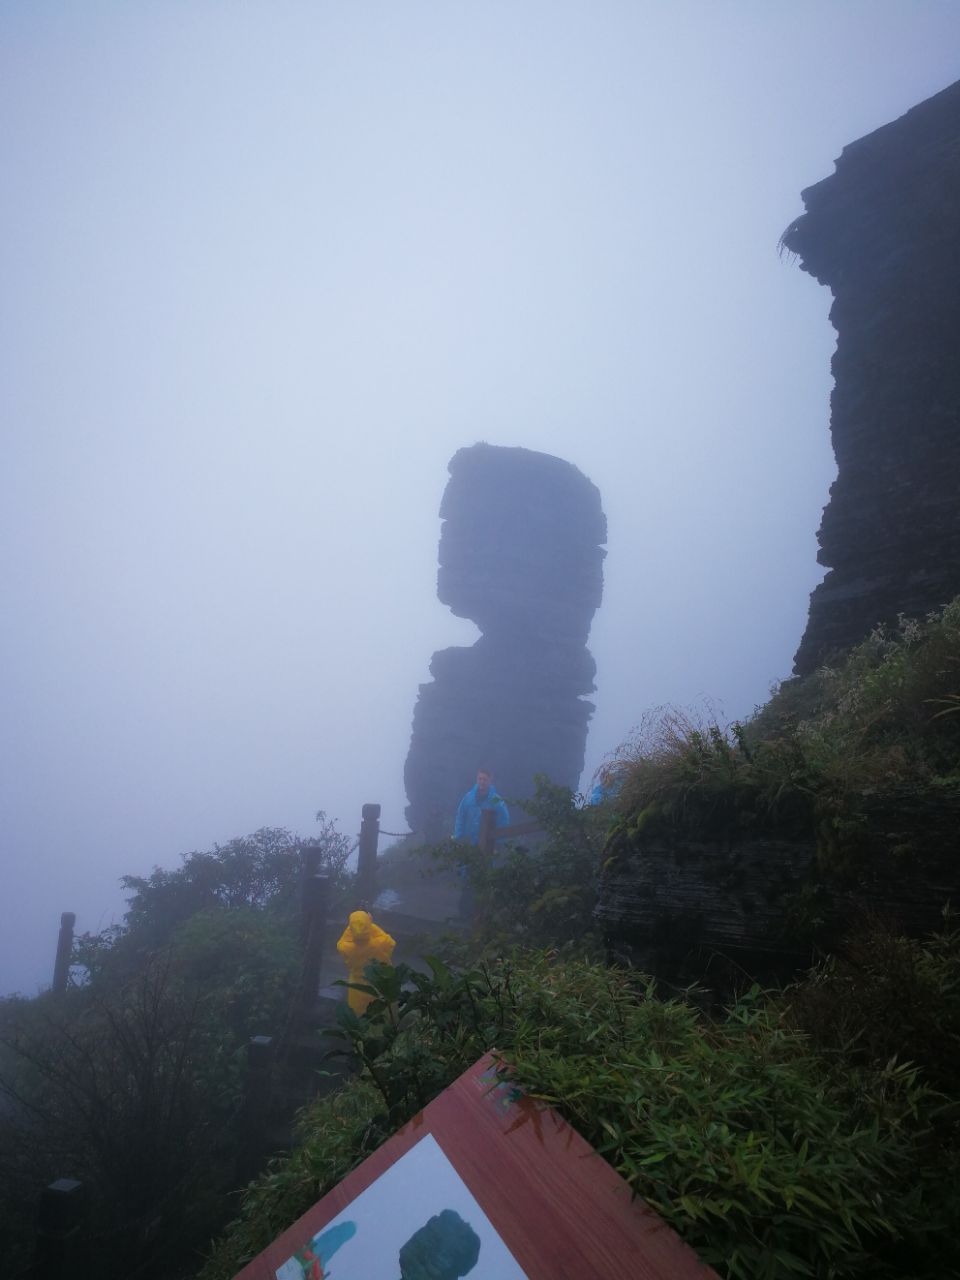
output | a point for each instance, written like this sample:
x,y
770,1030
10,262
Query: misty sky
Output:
x,y
267,266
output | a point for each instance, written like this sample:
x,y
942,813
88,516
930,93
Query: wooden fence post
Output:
x,y
316,896
488,831
310,858
367,857
61,967
256,1107
59,1218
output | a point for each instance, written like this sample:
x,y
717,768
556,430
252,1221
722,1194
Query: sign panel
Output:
x,y
386,1230
487,1183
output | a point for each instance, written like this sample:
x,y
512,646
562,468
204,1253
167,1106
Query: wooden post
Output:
x,y
59,1218
367,857
256,1107
488,831
310,858
61,967
316,892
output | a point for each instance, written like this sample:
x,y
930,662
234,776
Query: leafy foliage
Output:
x,y
882,996
335,1134
133,1087
770,1159
132,1080
259,870
542,893
741,1138
812,761
810,1134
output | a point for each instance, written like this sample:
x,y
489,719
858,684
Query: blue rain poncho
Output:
x,y
467,825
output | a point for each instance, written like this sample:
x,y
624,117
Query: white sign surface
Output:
x,y
418,1221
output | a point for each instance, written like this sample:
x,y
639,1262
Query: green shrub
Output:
x,y
134,1091
811,762
765,1161
770,1159
335,1135
246,962
883,996
543,892
132,1083
262,870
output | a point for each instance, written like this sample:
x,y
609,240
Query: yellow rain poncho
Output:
x,y
361,942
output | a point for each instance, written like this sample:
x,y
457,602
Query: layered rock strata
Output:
x,y
676,905
521,555
883,232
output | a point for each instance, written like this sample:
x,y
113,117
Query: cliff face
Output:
x,y
883,232
674,905
521,555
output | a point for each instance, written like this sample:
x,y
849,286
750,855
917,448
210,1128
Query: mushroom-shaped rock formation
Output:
x,y
521,554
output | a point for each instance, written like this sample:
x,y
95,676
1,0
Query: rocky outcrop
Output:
x,y
677,905
671,906
521,555
883,232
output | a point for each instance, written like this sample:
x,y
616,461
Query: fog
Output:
x,y
265,268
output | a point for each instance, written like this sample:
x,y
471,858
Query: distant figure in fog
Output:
x,y
480,796
467,827
609,780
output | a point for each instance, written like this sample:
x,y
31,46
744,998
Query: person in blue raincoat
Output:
x,y
609,780
467,827
480,796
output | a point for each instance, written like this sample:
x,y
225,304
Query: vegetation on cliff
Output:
x,y
813,761
132,1080
774,1151
765,838
811,1131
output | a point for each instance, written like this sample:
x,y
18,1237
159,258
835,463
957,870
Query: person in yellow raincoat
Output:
x,y
361,942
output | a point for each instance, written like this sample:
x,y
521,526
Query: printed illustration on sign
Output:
x,y
418,1221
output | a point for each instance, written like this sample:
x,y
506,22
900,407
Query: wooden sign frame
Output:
x,y
560,1209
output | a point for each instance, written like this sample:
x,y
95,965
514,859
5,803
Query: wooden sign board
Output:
x,y
482,1182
